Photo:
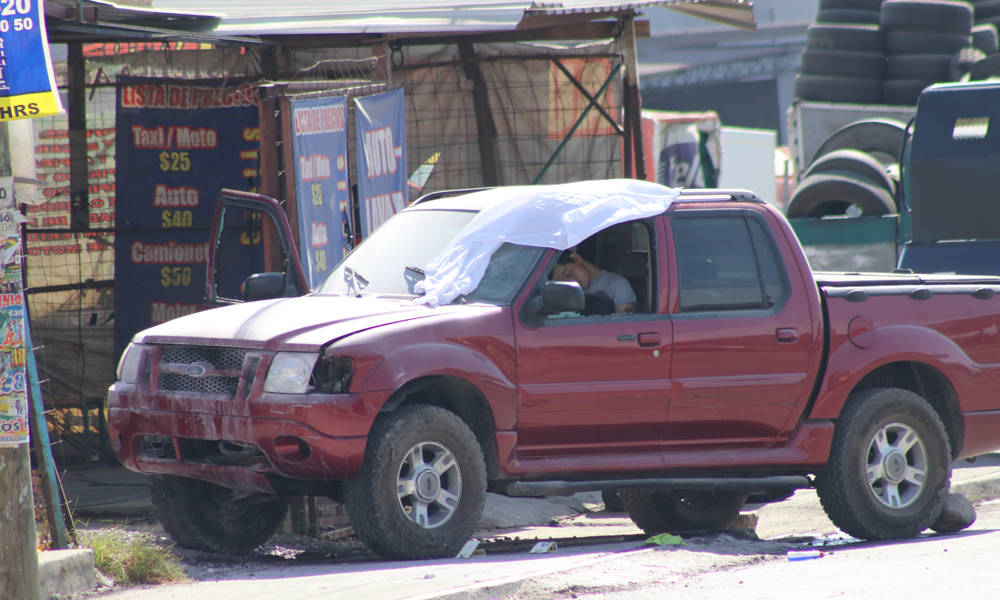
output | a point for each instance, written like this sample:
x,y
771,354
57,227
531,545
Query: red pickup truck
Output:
x,y
740,370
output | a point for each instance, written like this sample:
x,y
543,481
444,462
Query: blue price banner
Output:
x,y
381,131
180,142
321,190
27,83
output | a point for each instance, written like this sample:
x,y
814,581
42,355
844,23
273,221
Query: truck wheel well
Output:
x,y
928,383
460,397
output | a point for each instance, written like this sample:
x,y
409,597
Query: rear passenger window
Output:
x,y
726,263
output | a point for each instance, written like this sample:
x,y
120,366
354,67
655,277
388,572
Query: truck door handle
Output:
x,y
787,335
649,339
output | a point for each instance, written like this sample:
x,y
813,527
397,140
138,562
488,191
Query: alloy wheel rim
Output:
x,y
429,484
896,466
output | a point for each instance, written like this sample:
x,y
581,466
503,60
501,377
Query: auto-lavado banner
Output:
x,y
179,143
27,83
381,133
321,175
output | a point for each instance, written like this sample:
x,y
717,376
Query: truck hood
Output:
x,y
304,324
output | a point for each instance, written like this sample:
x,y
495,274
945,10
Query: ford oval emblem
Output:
x,y
195,371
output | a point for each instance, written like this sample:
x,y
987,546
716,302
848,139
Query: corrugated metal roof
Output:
x,y
406,16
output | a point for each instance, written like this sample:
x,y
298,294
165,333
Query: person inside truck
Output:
x,y
596,283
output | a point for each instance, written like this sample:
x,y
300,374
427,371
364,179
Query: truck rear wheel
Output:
x,y
889,469
200,515
679,510
422,485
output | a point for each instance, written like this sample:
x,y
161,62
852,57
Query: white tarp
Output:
x,y
548,216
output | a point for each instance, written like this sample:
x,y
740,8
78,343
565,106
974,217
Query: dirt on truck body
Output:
x,y
412,381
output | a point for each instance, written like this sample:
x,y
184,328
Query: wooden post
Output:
x,y
18,541
633,107
484,115
270,166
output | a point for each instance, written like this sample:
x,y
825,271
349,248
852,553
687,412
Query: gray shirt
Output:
x,y
613,285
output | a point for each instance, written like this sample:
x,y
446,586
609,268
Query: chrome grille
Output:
x,y
219,358
178,382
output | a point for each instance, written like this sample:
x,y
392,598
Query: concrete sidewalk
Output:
x,y
119,494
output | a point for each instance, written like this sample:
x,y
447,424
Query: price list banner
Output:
x,y
180,142
27,83
381,131
321,193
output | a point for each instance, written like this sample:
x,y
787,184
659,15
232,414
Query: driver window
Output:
x,y
614,269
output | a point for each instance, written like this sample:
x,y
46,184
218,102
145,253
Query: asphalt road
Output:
x,y
961,565
711,566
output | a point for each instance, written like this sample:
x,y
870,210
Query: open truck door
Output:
x,y
253,253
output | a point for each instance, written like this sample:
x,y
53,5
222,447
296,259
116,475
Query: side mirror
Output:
x,y
563,296
263,286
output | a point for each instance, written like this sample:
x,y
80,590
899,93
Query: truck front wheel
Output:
x,y
679,510
204,516
889,469
422,485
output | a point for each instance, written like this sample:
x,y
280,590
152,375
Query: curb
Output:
x,y
66,572
979,489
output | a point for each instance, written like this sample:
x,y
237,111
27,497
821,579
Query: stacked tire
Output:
x,y
922,39
985,38
843,60
856,12
846,178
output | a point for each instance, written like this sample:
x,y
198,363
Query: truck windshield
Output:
x,y
393,259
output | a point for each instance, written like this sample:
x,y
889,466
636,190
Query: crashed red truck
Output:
x,y
741,371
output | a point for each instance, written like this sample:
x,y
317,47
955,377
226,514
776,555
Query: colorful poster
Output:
x,y
382,180
27,83
321,192
180,142
13,378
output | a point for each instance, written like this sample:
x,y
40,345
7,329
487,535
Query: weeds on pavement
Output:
x,y
131,558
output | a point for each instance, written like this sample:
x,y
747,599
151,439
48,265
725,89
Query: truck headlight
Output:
x,y
333,374
128,366
290,373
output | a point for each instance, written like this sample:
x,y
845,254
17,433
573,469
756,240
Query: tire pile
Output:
x,y
887,52
843,60
845,178
921,41
881,52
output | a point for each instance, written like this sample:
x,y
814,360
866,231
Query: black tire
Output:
x,y
856,162
861,507
848,15
904,92
872,5
986,9
612,502
874,136
200,515
838,89
375,506
924,42
986,68
985,38
989,21
682,510
854,38
927,15
929,67
841,63
827,195
962,62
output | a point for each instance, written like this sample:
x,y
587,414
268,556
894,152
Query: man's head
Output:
x,y
570,266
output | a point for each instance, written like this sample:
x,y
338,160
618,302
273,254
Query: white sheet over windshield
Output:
x,y
549,216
